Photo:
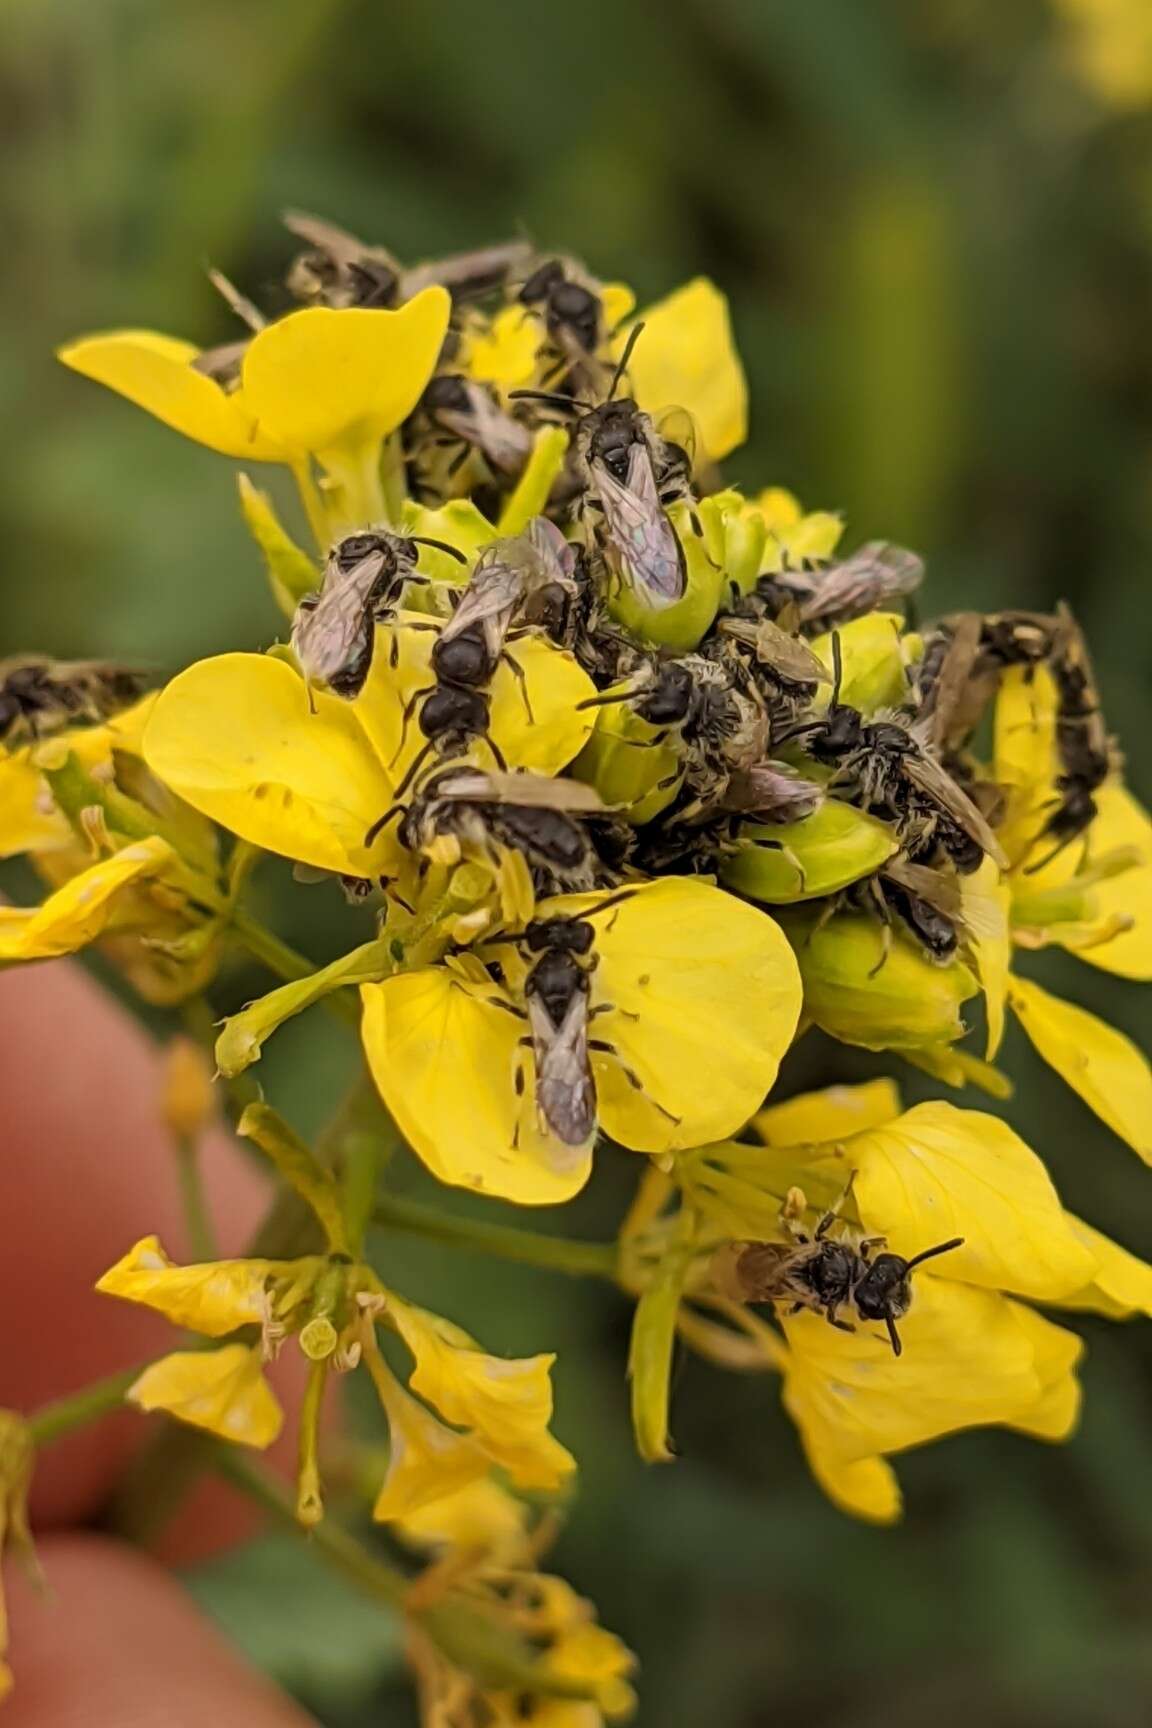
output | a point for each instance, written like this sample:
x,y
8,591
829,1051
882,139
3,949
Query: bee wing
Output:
x,y
941,891
926,773
642,534
565,1094
504,441
878,572
530,791
772,792
328,632
952,691
557,554
789,656
340,246
470,274
491,598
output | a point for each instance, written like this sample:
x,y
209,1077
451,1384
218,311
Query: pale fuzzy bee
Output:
x,y
869,580
39,695
340,270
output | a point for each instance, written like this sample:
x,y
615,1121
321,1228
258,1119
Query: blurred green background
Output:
x,y
934,218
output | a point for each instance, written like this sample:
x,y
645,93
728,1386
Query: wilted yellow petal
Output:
x,y
506,1404
1122,1285
77,913
222,1390
319,376
700,985
236,737
970,1357
865,1487
937,1172
427,1461
686,358
986,899
1102,1065
552,689
423,1033
213,1298
832,1114
156,373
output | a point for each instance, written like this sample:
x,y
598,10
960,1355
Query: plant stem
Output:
x,y
286,962
63,1415
528,1247
201,1236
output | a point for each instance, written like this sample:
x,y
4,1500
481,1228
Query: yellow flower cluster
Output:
x,y
637,781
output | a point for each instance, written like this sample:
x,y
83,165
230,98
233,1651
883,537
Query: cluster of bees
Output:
x,y
753,717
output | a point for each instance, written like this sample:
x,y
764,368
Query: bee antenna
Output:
x,y
930,1253
622,364
897,1347
608,701
440,545
551,396
837,669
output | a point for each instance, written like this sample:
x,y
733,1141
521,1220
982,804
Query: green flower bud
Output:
x,y
789,861
626,767
735,533
291,573
874,660
681,626
855,993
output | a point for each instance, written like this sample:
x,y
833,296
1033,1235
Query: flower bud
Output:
x,y
874,661
189,1102
678,627
856,993
626,767
735,534
789,861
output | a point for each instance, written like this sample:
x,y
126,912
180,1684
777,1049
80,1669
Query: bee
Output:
x,y
964,659
573,314
873,576
333,632
39,695
222,363
718,720
545,820
467,414
895,777
339,270
783,662
825,1274
1082,741
927,902
629,474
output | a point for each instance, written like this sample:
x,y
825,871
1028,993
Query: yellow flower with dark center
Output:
x,y
693,999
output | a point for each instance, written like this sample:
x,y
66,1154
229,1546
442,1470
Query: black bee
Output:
x,y
545,820
365,577
927,902
573,315
341,271
462,413
826,1275
895,777
39,695
1081,735
870,579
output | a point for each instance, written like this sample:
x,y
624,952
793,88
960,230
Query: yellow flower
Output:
x,y
306,774
972,1354
1109,42
686,358
319,383
214,1298
221,1390
1093,897
482,1519
427,1462
794,538
689,981
84,908
30,820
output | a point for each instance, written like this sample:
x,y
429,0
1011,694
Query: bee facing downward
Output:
x,y
824,1273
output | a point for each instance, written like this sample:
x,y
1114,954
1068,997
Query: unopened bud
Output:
x,y
781,863
189,1101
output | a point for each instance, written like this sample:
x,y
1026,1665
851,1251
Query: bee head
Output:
x,y
885,1291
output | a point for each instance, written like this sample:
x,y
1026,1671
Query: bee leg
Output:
x,y
382,822
630,1075
840,1325
497,753
869,1243
410,706
834,1210
885,946
508,1007
519,674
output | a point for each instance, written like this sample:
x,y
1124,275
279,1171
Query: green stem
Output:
x,y
528,1247
313,506
201,1236
63,1415
284,961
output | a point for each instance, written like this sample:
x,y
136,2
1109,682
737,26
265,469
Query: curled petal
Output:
x,y
782,863
156,373
864,1487
222,1390
833,1114
212,1299
235,736
1122,1285
82,909
986,901
320,376
1107,1070
423,1033
427,1461
937,1172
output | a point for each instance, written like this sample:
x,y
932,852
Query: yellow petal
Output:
x,y
937,1172
1122,824
506,1404
1102,1065
553,687
213,1298
856,992
793,537
426,1462
699,984
1024,760
291,573
872,659
29,820
686,358
156,373
986,898
541,471
832,1114
79,911
480,1518
865,1487
422,1032
1055,1412
971,1357
222,1390
1122,1285
235,736
505,352
320,376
